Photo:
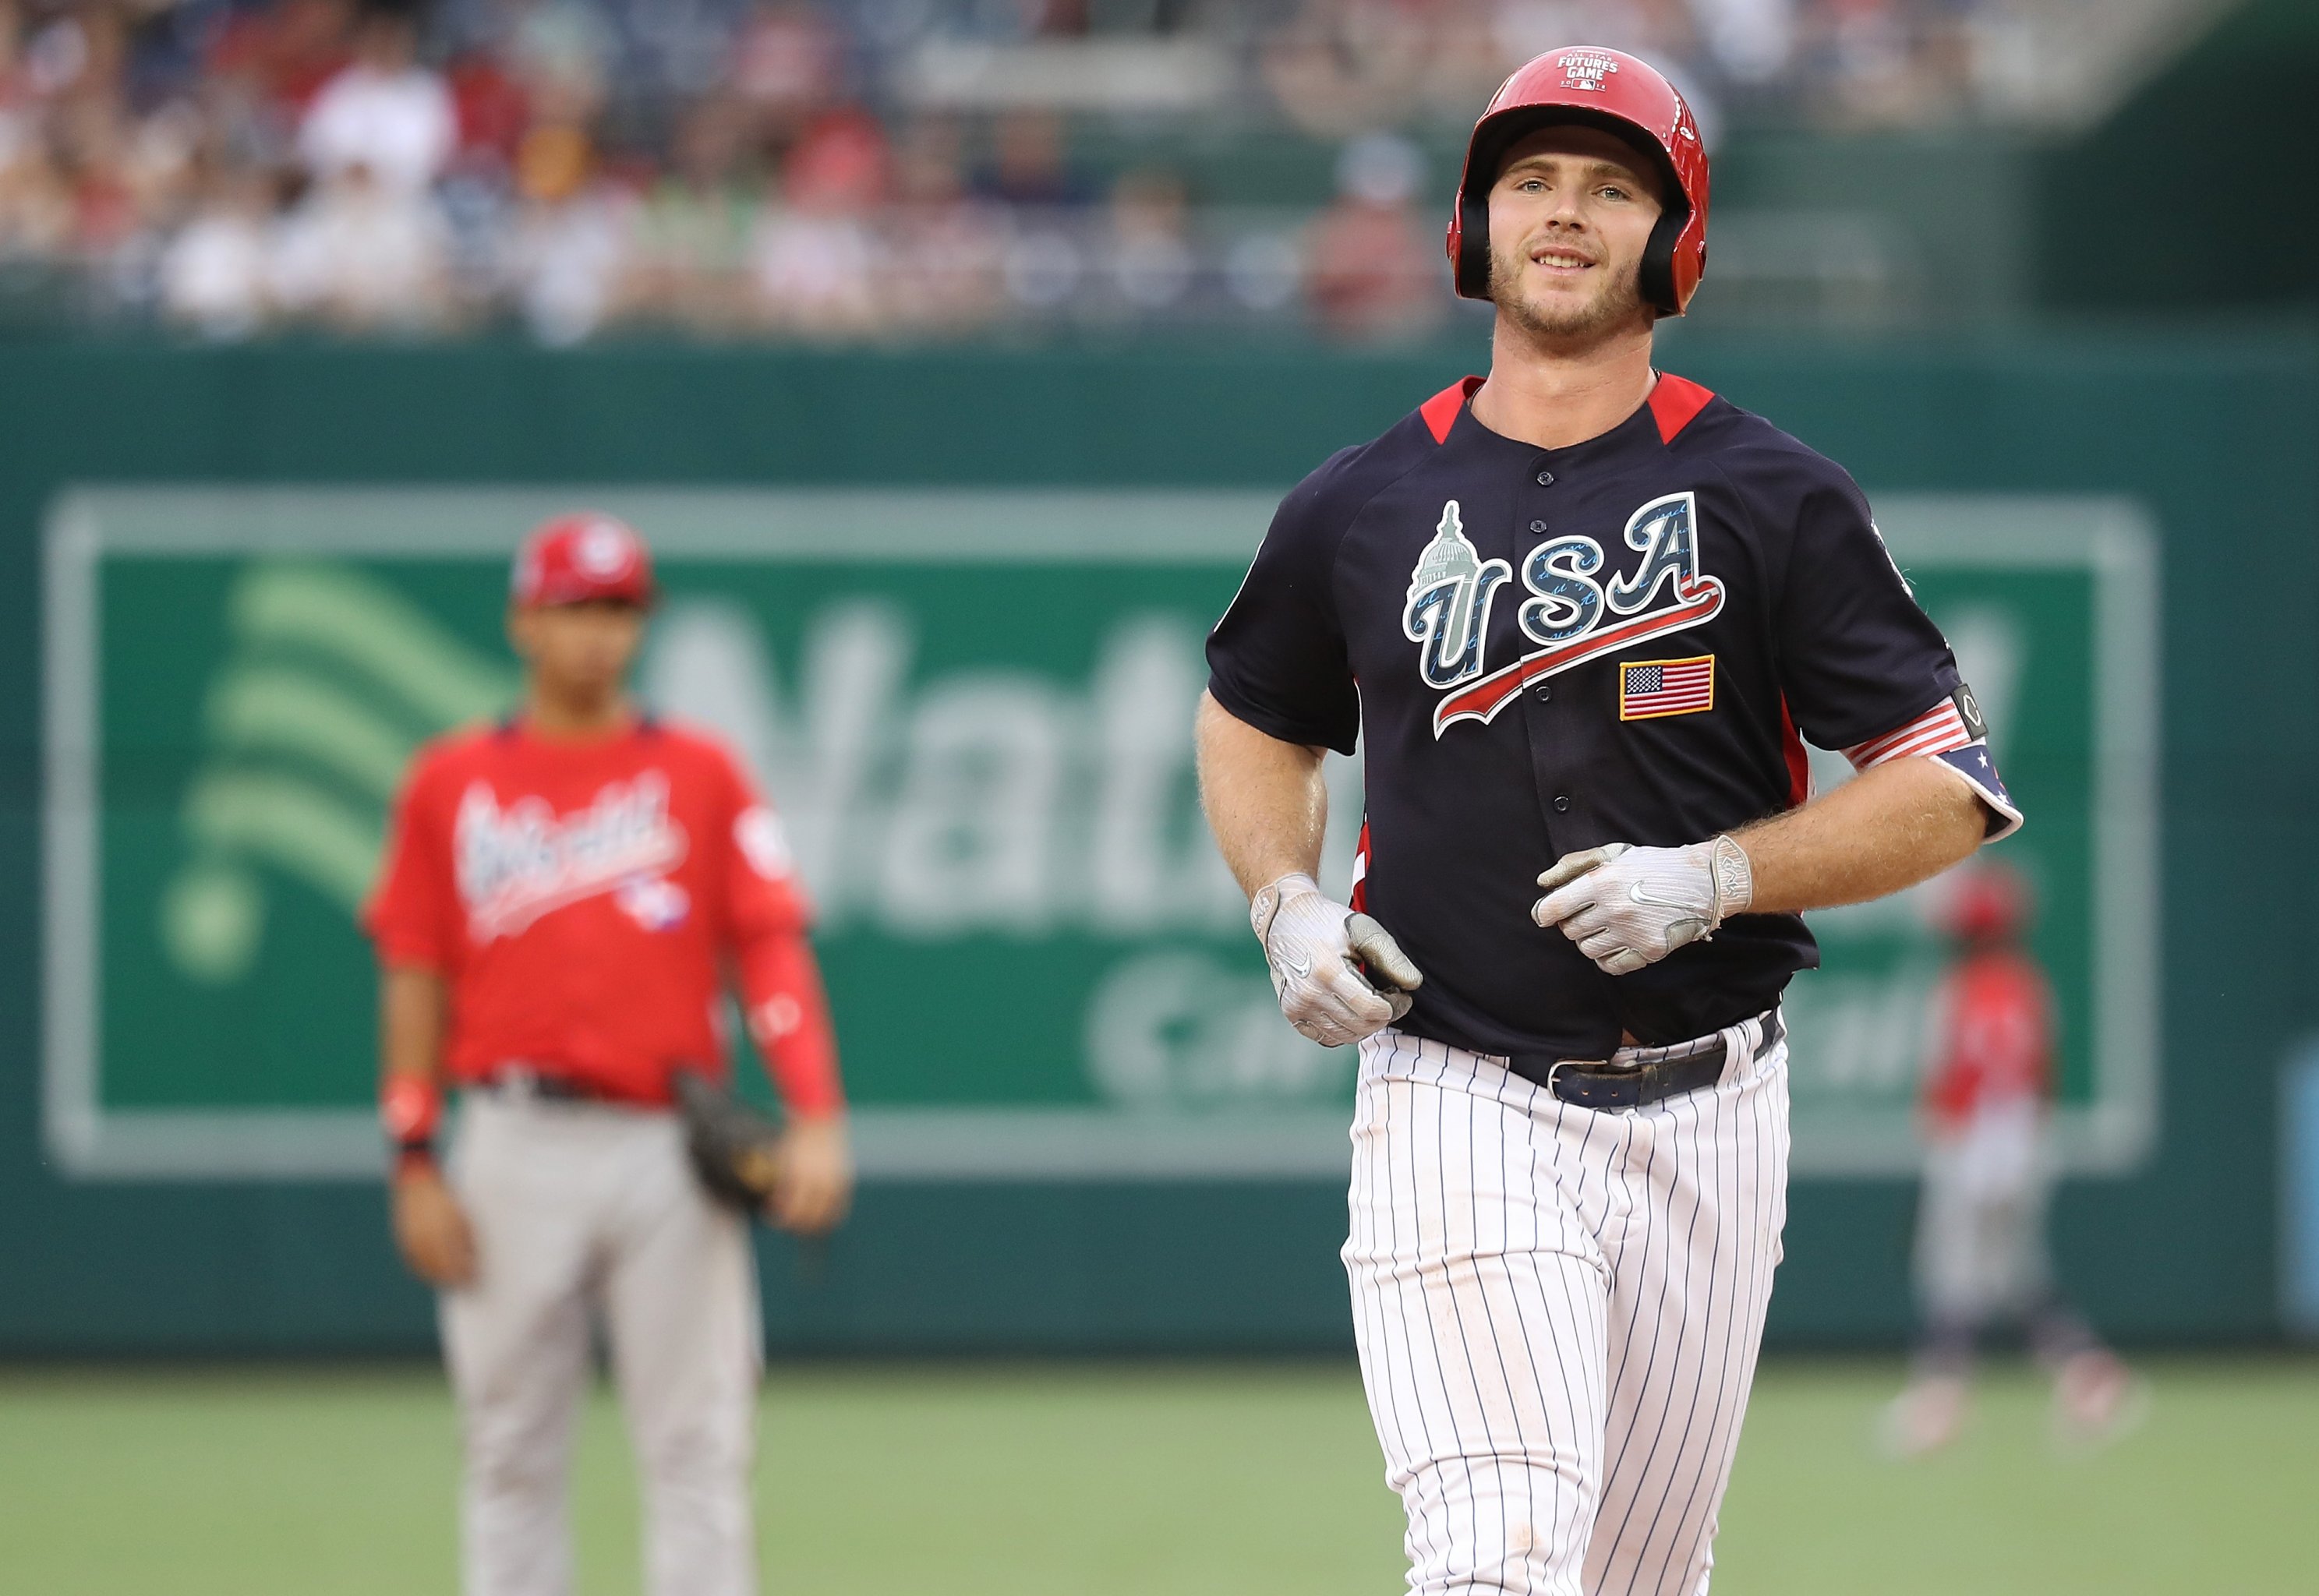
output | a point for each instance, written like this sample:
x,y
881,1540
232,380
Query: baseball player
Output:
x,y
1577,614
1981,1216
564,896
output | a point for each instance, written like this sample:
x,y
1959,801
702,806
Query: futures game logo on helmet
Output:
x,y
1586,69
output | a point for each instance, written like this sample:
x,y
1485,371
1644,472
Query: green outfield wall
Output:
x,y
238,584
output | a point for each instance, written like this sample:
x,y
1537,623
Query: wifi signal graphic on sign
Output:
x,y
333,680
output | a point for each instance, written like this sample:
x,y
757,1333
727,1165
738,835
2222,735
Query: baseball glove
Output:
x,y
735,1151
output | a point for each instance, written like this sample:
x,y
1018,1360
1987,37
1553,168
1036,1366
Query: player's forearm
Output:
x,y
412,1007
1264,798
1888,828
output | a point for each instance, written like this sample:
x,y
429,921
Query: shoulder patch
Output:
x,y
1440,411
1674,401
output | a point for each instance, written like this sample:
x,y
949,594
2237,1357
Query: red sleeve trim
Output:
x,y
1440,411
1674,402
1797,758
398,949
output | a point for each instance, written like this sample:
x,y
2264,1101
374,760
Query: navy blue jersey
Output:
x,y
1543,650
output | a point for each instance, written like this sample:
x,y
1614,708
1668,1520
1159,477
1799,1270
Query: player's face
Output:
x,y
577,652
1570,214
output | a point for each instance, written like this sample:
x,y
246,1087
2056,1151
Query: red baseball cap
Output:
x,y
1990,899
579,557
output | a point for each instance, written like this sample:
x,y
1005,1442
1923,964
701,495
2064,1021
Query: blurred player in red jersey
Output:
x,y
565,898
1980,1225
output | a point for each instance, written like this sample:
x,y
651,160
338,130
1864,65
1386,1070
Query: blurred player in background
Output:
x,y
565,898
1980,1259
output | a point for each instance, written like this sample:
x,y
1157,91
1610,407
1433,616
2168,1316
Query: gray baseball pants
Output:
x,y
585,1214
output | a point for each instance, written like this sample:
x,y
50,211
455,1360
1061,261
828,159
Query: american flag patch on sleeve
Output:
x,y
1649,688
1936,731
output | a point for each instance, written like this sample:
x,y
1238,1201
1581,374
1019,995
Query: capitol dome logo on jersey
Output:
x,y
1447,607
1575,614
518,862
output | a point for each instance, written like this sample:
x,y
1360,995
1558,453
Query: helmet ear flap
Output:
x,y
1473,263
1656,278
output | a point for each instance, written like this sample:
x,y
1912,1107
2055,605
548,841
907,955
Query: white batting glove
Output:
x,y
1339,976
1626,906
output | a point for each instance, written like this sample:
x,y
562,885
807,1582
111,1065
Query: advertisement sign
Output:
x,y
973,710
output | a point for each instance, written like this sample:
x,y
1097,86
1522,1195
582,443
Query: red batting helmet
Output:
x,y
1605,89
575,558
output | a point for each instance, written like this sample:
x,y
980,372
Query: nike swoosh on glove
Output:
x,y
1339,976
1626,906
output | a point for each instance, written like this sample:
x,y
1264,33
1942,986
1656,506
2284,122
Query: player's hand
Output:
x,y
1339,976
431,1230
1627,907
816,1183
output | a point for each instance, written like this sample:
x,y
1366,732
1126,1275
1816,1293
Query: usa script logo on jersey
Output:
x,y
1573,614
516,863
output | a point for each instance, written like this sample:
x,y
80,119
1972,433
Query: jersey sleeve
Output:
x,y
766,917
788,1019
1864,668
763,895
413,916
1277,659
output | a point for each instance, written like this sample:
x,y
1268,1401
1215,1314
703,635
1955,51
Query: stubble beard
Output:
x,y
1563,324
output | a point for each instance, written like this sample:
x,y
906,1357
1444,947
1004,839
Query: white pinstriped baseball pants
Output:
x,y
1558,1311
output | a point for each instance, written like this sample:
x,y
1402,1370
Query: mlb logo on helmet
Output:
x,y
575,559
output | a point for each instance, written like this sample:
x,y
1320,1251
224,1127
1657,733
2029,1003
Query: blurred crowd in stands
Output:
x,y
864,170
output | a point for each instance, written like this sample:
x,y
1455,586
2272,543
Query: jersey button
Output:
x,y
1544,690
1546,479
1562,803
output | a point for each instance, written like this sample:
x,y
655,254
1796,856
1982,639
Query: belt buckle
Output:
x,y
1555,1070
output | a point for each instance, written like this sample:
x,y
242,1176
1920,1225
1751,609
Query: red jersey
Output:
x,y
1995,1039
583,902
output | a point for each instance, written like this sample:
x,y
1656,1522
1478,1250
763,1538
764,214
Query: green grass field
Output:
x,y
1130,1481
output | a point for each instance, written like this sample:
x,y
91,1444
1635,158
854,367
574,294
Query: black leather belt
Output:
x,y
1607,1084
519,1081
